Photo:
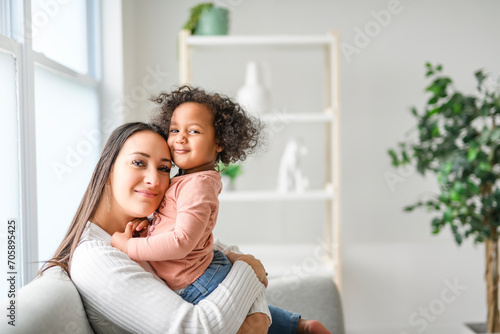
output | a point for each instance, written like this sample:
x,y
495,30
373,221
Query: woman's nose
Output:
x,y
152,178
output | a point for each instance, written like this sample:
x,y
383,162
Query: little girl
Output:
x,y
203,129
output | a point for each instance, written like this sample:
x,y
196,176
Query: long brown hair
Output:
x,y
92,196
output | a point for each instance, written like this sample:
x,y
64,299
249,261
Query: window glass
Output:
x,y
68,146
4,18
59,30
9,171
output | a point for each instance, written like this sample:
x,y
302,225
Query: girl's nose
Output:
x,y
180,138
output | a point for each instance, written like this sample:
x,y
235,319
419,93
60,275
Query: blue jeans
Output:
x,y
206,283
283,321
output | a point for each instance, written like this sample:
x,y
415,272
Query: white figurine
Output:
x,y
290,176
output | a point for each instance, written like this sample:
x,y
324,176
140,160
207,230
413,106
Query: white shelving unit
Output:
x,y
329,117
311,195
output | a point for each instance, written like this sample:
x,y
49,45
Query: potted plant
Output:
x,y
229,174
459,142
207,19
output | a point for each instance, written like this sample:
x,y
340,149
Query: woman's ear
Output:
x,y
220,149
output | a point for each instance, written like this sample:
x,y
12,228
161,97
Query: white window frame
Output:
x,y
20,46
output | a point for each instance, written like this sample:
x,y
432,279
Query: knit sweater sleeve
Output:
x,y
119,295
260,304
196,201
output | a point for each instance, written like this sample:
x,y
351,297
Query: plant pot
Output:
x,y
227,184
214,21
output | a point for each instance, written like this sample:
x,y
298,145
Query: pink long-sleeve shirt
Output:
x,y
179,245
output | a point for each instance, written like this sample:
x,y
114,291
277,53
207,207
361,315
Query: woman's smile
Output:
x,y
140,175
147,193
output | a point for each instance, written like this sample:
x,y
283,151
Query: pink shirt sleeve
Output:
x,y
196,200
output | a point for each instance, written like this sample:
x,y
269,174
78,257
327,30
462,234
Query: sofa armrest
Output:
x,y
314,297
48,304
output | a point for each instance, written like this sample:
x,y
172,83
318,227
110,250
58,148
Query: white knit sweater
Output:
x,y
124,296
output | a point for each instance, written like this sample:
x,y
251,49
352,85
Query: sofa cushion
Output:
x,y
314,297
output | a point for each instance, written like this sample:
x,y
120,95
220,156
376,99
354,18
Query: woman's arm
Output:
x,y
117,291
260,304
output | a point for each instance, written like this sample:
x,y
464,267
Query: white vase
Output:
x,y
253,96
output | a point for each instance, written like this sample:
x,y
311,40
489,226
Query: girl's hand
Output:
x,y
256,265
120,240
257,323
140,227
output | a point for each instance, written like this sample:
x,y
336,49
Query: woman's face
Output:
x,y
140,176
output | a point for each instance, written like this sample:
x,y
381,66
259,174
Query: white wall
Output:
x,y
396,274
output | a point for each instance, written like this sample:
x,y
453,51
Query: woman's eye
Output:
x,y
164,169
138,163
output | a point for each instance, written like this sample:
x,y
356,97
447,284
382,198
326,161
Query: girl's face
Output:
x,y
192,139
139,177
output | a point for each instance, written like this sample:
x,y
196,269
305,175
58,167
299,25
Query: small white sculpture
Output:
x,y
290,176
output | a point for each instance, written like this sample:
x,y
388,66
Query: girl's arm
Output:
x,y
196,205
118,292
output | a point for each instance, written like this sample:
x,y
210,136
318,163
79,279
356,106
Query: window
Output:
x,y
67,140
59,30
9,196
49,102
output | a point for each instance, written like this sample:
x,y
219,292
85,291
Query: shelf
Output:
x,y
272,195
255,40
280,258
297,118
291,259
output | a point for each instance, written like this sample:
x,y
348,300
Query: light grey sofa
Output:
x,y
51,304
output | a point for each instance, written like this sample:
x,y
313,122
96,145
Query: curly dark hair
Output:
x,y
236,130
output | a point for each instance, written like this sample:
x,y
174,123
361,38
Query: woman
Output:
x,y
121,295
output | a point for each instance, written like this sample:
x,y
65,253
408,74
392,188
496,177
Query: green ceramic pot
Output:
x,y
214,21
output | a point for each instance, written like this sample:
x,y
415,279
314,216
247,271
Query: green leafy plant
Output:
x,y
232,170
459,142
195,13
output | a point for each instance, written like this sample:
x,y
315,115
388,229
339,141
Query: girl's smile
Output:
x,y
192,139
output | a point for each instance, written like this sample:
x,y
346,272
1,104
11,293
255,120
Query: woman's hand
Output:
x,y
256,323
256,265
120,240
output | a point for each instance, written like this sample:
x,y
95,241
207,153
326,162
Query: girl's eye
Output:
x,y
174,130
138,163
194,131
164,169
